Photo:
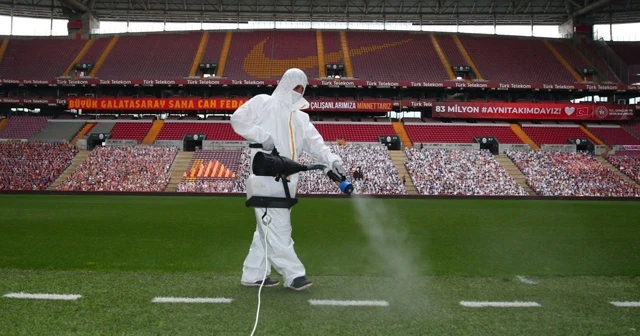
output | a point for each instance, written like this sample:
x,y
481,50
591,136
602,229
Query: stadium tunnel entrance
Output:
x,y
489,143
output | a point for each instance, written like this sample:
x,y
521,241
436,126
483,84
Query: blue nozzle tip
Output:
x,y
346,187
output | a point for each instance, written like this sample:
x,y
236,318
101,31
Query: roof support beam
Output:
x,y
75,5
590,8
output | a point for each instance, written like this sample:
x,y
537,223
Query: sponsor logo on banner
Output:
x,y
602,112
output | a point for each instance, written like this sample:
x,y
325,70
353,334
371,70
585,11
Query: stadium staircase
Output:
x,y
607,164
153,132
83,131
467,57
77,161
198,58
225,53
402,133
442,56
562,61
523,136
103,56
348,67
3,123
177,170
78,57
3,48
321,63
517,175
398,158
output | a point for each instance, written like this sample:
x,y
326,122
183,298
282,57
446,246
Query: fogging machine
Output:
x,y
268,170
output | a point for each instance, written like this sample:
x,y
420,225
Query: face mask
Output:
x,y
295,97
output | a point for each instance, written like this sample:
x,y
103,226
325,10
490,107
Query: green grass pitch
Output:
x,y
422,256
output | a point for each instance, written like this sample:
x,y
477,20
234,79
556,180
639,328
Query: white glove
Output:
x,y
268,144
337,167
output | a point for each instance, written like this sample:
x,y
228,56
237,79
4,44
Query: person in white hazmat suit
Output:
x,y
276,121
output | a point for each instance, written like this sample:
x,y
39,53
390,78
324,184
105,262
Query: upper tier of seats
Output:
x,y
38,58
23,127
459,133
629,52
508,60
554,135
614,135
264,54
173,130
269,53
156,56
394,56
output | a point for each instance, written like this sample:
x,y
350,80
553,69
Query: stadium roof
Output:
x,y
425,12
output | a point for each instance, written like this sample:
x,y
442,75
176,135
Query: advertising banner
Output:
x,y
141,104
548,111
355,83
194,104
369,105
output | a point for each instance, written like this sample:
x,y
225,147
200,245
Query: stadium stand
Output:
x,y
459,133
139,168
633,129
213,50
33,166
573,57
32,59
23,127
212,171
629,52
176,130
450,49
459,172
58,130
394,56
131,130
332,47
265,54
151,56
553,134
613,135
627,164
380,176
570,174
608,75
354,131
504,58
103,127
97,48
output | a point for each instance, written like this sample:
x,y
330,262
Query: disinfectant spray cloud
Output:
x,y
391,249
387,236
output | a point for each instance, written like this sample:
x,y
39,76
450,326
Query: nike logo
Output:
x,y
256,64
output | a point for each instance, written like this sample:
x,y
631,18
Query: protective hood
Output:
x,y
284,91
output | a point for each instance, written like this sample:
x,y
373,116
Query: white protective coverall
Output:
x,y
278,115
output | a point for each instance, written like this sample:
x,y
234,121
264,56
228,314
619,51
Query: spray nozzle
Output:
x,y
345,186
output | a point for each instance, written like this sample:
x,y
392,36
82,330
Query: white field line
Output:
x,y
635,304
527,281
40,296
360,303
190,300
503,304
